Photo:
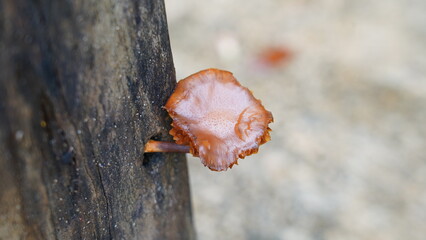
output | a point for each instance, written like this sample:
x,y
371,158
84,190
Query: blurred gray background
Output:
x,y
347,158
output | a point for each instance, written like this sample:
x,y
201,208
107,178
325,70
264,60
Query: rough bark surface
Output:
x,y
81,89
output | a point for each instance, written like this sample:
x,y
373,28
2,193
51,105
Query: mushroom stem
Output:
x,y
159,146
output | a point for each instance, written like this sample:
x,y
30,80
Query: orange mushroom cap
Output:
x,y
218,118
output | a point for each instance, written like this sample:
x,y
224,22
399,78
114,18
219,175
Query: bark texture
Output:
x,y
81,89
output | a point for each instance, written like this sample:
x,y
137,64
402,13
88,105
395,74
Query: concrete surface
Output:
x,y
347,158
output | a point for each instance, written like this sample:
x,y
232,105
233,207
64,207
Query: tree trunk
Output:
x,y
81,89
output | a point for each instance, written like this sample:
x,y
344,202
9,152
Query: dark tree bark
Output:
x,y
81,89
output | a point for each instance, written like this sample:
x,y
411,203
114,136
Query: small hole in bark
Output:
x,y
147,158
68,157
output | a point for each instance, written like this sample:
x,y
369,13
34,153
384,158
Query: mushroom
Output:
x,y
218,119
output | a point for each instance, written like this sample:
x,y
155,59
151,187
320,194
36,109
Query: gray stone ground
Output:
x,y
348,155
